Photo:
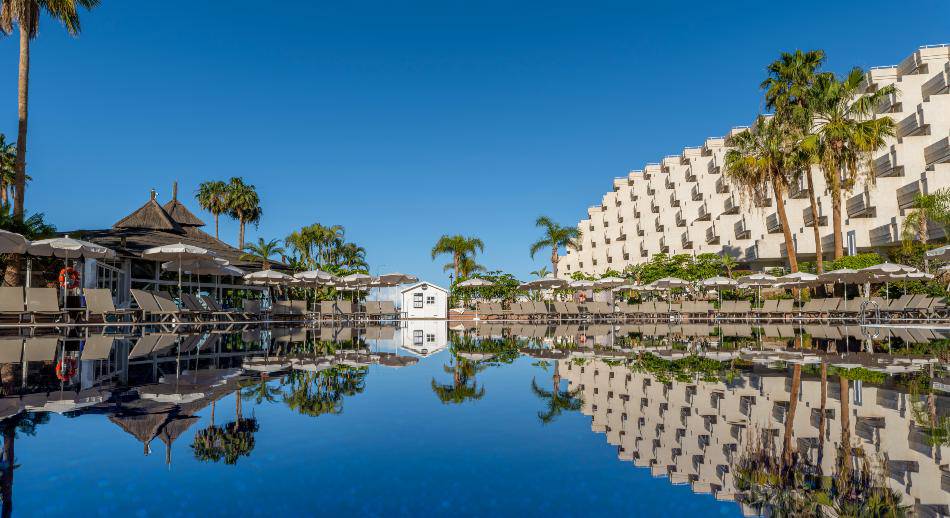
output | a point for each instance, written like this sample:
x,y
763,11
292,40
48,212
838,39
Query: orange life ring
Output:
x,y
69,278
65,369
582,339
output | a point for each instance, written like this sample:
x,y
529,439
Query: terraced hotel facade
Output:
x,y
685,205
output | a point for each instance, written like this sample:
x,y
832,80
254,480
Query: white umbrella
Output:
x,y
474,283
269,278
12,243
718,283
668,283
888,268
358,279
625,287
177,251
395,279
607,283
544,283
68,248
316,277
581,284
797,280
205,266
939,254
757,280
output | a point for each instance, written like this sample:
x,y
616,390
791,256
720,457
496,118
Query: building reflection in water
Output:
x,y
724,409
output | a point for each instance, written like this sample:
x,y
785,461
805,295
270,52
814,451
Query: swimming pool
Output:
x,y
493,420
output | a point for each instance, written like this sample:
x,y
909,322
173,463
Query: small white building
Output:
x,y
424,337
424,300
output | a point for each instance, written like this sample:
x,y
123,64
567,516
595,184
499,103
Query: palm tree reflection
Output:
x,y
464,386
25,423
318,393
229,442
557,400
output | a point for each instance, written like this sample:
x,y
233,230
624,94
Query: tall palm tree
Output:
x,y
351,257
790,416
786,91
262,251
466,267
759,158
844,460
457,246
846,134
7,171
933,207
554,237
212,196
541,272
25,14
243,205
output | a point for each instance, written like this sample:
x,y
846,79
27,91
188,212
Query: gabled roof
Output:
x,y
149,216
177,211
416,285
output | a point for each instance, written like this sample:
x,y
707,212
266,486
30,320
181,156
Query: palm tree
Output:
x,y
557,400
466,267
212,196
243,205
555,236
846,133
786,91
844,460
541,272
262,251
729,263
759,158
25,14
790,416
457,246
464,386
933,207
351,257
7,171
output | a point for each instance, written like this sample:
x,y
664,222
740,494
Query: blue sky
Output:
x,y
403,121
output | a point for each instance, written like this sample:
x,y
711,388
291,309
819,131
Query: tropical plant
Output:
x,y
554,237
729,263
933,207
316,244
760,158
350,256
466,267
458,247
464,386
786,91
7,171
33,227
25,14
558,401
846,132
541,272
243,204
262,251
212,196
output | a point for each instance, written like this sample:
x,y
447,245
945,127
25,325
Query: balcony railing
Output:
x,y
658,225
680,221
809,219
651,191
906,195
937,84
742,230
889,104
772,224
664,248
886,166
690,175
640,229
712,236
669,183
654,208
713,167
798,189
752,253
722,186
938,152
730,206
913,125
696,194
703,213
883,235
686,241
859,206
674,201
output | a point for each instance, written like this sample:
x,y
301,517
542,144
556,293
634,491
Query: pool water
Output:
x,y
273,421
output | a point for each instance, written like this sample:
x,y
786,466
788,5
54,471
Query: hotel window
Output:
x,y
417,300
430,338
417,337
430,299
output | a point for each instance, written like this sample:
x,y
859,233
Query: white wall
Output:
x,y
435,302
424,337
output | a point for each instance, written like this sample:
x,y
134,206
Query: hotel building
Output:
x,y
685,205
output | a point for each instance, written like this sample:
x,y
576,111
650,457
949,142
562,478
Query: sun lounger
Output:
x,y
168,304
345,310
298,308
217,310
99,303
252,308
97,347
769,307
12,302
785,307
44,302
387,310
145,300
40,349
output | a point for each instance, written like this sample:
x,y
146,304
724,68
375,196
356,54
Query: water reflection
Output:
x,y
783,420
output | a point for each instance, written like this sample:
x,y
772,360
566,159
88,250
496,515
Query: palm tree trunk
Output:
x,y
822,422
241,234
819,259
23,85
6,477
237,404
786,229
845,460
554,260
456,259
216,234
790,417
836,214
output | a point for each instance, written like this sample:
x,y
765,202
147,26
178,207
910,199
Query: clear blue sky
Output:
x,y
406,120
